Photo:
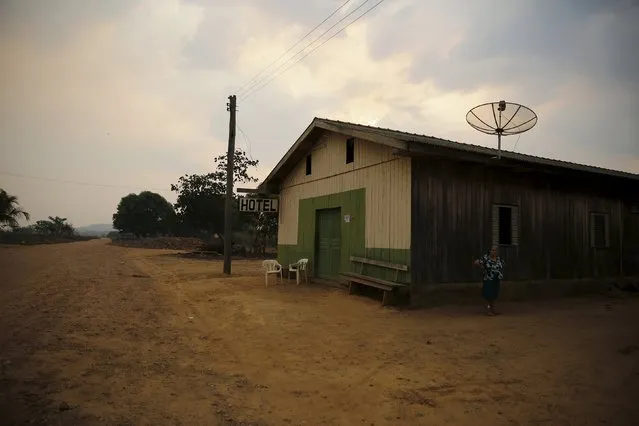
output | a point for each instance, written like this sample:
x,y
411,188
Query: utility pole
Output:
x,y
228,205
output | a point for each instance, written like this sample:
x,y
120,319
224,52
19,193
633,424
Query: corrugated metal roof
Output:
x,y
445,143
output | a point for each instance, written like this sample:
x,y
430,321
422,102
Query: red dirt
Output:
x,y
98,334
161,243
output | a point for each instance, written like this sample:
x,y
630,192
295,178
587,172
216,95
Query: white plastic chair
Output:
x,y
298,267
272,267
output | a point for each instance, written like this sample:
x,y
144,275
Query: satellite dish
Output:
x,y
502,119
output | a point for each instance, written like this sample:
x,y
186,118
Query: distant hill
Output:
x,y
96,229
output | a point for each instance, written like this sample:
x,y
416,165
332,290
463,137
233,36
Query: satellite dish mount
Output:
x,y
502,119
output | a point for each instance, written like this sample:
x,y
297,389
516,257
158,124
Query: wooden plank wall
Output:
x,y
386,178
631,237
452,217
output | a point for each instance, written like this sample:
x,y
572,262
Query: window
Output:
x,y
505,225
599,230
308,165
350,150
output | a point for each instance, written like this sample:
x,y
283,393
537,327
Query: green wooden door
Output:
x,y
328,243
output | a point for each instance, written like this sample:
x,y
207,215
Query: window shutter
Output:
x,y
515,225
495,229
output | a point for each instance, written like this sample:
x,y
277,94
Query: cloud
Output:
x,y
50,26
104,102
134,92
472,44
556,58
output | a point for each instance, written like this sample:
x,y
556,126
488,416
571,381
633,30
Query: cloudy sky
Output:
x,y
103,98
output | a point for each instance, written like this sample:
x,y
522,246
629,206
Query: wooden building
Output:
x,y
417,209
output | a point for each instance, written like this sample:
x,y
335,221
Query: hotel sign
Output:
x,y
259,205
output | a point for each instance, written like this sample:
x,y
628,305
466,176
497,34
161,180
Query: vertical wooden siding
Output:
x,y
452,218
385,177
631,239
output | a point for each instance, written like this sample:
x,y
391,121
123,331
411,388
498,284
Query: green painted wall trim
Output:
x,y
288,253
401,256
351,203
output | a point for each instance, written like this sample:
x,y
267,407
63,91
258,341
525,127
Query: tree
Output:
x,y
54,226
29,229
263,227
265,231
199,204
200,200
144,214
10,211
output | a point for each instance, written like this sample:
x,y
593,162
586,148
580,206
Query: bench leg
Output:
x,y
352,288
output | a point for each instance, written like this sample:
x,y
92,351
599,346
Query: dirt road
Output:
x,y
96,334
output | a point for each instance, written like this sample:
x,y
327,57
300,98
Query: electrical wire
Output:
x,y
82,183
257,84
320,45
515,147
246,139
249,147
239,91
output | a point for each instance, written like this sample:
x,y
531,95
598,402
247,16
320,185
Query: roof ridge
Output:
x,y
530,156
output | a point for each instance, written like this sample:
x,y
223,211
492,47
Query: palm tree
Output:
x,y
54,226
10,210
60,226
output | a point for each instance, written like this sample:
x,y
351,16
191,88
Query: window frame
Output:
x,y
514,224
309,165
350,149
592,233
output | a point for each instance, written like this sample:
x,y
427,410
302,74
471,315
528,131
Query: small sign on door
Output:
x,y
347,218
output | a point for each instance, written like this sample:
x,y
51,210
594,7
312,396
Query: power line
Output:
x,y
71,182
246,139
239,92
516,142
301,51
320,45
249,147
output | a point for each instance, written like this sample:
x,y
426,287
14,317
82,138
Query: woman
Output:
x,y
492,266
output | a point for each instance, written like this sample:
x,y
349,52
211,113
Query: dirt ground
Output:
x,y
92,333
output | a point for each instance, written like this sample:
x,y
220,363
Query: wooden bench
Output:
x,y
390,288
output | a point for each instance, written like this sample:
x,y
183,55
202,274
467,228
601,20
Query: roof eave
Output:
x,y
319,123
408,142
271,176
444,148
